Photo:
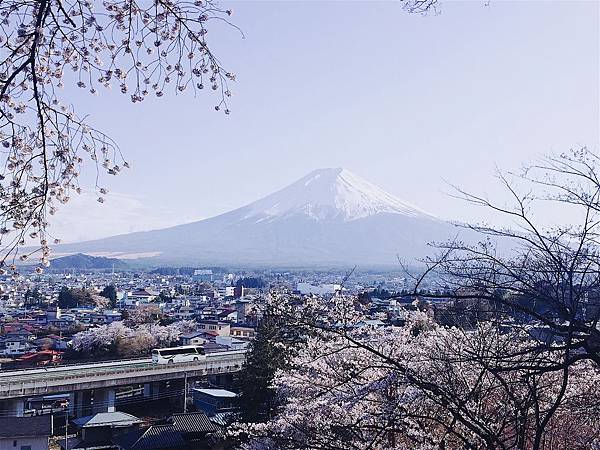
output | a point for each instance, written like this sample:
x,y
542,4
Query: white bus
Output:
x,y
175,355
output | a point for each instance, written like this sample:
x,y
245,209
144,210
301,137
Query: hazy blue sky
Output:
x,y
402,100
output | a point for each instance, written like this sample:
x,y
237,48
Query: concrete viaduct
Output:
x,y
92,387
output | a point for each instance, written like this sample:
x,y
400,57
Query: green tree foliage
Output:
x,y
250,282
165,297
72,298
110,292
33,297
66,298
268,353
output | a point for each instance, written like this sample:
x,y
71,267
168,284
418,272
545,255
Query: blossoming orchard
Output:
x,y
137,47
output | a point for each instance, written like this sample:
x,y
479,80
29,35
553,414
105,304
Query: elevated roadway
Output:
x,y
108,375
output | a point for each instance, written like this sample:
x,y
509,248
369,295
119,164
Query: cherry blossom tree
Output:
x,y
544,277
119,339
424,386
428,387
141,48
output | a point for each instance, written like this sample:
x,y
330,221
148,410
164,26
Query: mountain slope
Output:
x,y
329,217
82,261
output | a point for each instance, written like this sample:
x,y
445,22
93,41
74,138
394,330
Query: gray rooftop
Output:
x,y
107,419
15,427
217,392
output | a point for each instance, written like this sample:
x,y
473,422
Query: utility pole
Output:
x,y
66,430
184,392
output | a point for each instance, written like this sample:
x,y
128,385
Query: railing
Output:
x,y
226,363
70,363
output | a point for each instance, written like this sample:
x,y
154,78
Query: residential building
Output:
x,y
194,338
214,326
98,430
25,433
213,401
242,332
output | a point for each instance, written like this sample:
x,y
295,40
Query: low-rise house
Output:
x,y
184,313
65,322
213,347
242,332
206,313
156,437
213,401
220,328
194,338
14,327
23,334
25,433
91,318
137,298
231,343
195,428
227,314
97,431
111,316
17,346
369,323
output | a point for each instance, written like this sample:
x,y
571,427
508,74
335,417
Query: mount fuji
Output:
x,y
329,217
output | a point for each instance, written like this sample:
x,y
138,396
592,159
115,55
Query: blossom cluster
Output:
x,y
425,386
141,48
129,341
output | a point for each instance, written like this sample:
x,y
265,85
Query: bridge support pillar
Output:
x,y
82,406
156,388
177,387
218,379
104,400
71,408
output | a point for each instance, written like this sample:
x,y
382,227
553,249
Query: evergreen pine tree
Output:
x,y
257,399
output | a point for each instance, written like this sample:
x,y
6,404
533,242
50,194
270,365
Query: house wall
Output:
x,y
31,443
242,332
220,328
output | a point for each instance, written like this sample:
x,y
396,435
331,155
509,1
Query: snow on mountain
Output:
x,y
329,217
331,194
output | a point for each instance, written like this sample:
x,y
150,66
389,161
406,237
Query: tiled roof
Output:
x,y
74,443
192,334
196,422
223,418
13,427
157,437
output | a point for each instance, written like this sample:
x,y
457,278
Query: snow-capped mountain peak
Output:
x,y
329,217
330,194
